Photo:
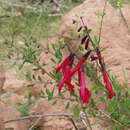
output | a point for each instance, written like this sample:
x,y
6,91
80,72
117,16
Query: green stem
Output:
x,y
101,24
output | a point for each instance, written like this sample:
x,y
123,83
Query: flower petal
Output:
x,y
70,87
67,61
63,64
66,79
84,39
61,84
80,63
87,42
109,88
108,85
84,94
80,28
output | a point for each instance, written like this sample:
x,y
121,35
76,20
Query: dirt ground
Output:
x,y
115,36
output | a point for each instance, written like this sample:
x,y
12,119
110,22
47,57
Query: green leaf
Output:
x,y
101,14
95,89
23,109
86,32
28,76
58,76
61,95
95,40
67,105
42,96
71,36
53,60
76,111
39,78
50,93
58,55
56,46
38,68
81,48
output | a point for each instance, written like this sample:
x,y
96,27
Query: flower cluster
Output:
x,y
68,71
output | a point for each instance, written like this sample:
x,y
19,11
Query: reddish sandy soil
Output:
x,y
115,36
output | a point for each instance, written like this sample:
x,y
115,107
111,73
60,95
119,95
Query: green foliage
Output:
x,y
50,93
57,50
22,34
118,107
67,105
76,111
23,108
118,3
30,29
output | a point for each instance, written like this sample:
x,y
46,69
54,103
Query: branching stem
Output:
x,y
101,24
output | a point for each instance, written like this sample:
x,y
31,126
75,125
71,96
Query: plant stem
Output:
x,y
93,44
38,116
101,25
35,124
110,117
87,119
124,19
73,124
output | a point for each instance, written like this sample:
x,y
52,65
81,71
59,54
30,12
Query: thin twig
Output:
x,y
106,115
87,120
124,19
71,119
38,116
87,33
101,24
31,128
70,99
73,50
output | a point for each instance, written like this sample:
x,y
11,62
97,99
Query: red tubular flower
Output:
x,y
68,72
84,92
80,63
65,62
108,85
66,79
80,28
66,67
105,76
